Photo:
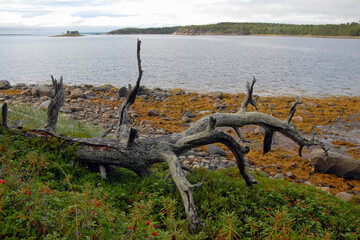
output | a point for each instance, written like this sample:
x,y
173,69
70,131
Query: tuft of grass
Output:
x,y
33,118
44,196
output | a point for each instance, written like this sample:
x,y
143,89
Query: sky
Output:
x,y
106,15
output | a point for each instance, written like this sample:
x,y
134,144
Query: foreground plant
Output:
x,y
125,149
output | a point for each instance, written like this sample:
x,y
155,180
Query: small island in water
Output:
x,y
70,34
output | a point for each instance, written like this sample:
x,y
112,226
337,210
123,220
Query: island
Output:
x,y
70,34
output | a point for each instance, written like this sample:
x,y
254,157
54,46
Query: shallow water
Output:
x,y
282,65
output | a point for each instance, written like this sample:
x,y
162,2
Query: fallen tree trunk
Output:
x,y
128,150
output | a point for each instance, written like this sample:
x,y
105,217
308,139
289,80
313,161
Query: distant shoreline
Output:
x,y
69,35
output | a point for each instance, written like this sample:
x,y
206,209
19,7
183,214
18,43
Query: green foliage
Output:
x,y
44,195
163,30
231,28
32,118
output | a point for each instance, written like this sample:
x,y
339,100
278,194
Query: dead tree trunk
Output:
x,y
138,154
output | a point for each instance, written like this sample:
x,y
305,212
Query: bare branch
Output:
x,y
249,99
55,104
244,140
4,112
293,110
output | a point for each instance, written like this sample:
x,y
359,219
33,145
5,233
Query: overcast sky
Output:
x,y
103,15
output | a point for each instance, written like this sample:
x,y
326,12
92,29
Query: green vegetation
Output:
x,y
163,30
44,194
228,28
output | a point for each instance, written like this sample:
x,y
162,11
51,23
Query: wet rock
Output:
x,y
152,112
77,93
213,149
335,163
344,196
4,84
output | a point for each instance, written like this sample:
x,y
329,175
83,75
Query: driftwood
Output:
x,y
130,151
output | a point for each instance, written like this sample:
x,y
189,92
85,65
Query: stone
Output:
x,y
152,112
77,93
216,94
297,119
341,165
189,115
259,130
218,105
290,175
279,176
26,92
213,149
123,92
294,165
324,189
344,196
308,183
90,93
145,122
44,105
4,84
185,119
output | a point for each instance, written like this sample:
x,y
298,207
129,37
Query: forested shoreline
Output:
x,y
229,28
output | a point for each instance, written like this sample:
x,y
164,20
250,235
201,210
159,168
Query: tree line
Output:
x,y
231,28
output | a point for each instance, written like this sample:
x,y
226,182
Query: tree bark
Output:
x,y
138,154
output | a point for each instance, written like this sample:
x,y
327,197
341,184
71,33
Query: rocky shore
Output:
x,y
158,112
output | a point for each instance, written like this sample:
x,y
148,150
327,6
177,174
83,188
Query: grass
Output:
x,y
30,117
44,196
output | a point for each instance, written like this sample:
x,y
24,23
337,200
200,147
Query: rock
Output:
x,y
290,175
90,94
185,119
294,165
344,196
218,105
324,189
152,112
123,92
4,84
77,93
311,104
145,122
217,94
279,176
213,149
297,119
259,130
335,163
26,92
189,115
44,105
308,183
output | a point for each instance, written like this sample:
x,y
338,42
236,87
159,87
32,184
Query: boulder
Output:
x,y
77,93
42,91
152,112
213,149
335,163
217,94
4,84
90,94
123,92
344,196
44,105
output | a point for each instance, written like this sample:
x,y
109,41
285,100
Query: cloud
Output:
x,y
148,13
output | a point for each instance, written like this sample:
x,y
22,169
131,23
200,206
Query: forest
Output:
x,y
232,28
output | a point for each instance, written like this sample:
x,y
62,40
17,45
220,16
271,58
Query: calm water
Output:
x,y
282,65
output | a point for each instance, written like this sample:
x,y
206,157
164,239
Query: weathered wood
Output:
x,y
4,112
138,154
